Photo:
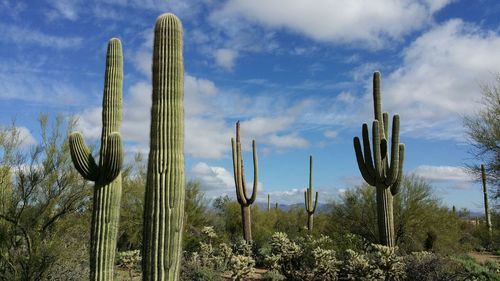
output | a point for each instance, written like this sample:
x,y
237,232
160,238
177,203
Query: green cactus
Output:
x,y
106,175
164,195
240,183
268,202
381,173
310,208
486,205
276,206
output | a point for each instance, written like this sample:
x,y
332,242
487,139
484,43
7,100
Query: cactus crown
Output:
x,y
310,208
239,173
375,166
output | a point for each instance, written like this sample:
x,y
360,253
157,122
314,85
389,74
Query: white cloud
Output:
x,y
206,135
25,137
213,177
443,173
439,79
225,58
330,134
67,9
20,82
296,195
346,21
24,35
288,141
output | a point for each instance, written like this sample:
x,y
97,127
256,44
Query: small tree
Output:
x,y
483,131
46,191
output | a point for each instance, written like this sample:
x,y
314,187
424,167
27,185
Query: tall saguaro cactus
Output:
x,y
268,202
486,204
106,175
376,168
164,196
310,208
239,180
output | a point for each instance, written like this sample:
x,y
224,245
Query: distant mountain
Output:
x,y
286,207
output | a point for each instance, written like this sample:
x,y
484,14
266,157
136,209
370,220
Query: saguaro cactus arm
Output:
x,y
113,157
239,173
82,158
397,183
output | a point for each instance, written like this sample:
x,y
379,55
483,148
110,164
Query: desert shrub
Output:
x,y
272,275
194,272
477,271
426,266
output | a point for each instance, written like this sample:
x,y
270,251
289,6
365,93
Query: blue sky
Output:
x,y
297,74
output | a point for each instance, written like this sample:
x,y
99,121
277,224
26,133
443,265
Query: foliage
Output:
x,y
46,191
417,212
272,275
132,205
483,131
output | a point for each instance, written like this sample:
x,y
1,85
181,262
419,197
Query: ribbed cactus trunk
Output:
x,y
239,180
486,204
308,194
5,189
378,170
106,175
164,196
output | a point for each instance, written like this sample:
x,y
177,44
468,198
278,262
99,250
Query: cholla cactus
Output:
x,y
130,260
225,253
243,247
326,265
241,266
281,245
356,266
209,232
386,264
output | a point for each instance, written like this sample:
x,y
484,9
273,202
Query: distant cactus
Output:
x,y
310,208
5,189
486,204
240,183
381,173
268,202
106,175
164,194
276,206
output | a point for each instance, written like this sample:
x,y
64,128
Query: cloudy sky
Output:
x,y
297,73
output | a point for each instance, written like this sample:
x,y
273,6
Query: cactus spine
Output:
x,y
240,183
376,169
310,208
164,195
106,175
486,205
